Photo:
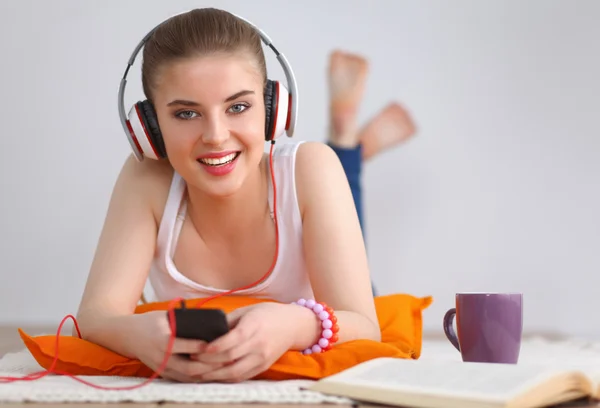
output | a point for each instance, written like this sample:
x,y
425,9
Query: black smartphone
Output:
x,y
200,324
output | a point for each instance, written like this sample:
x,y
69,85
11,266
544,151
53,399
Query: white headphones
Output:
x,y
141,124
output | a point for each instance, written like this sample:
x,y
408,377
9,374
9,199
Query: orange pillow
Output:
x,y
400,319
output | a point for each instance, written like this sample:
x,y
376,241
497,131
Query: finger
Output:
x,y
168,373
187,346
240,350
173,375
238,335
249,375
198,357
234,316
190,368
236,372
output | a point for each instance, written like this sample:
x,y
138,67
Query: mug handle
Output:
x,y
449,330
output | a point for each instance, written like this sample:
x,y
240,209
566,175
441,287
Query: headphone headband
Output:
x,y
289,75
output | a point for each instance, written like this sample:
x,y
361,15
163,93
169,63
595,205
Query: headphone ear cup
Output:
x,y
278,100
269,109
144,129
150,121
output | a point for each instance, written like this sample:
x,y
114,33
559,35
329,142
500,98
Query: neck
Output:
x,y
225,218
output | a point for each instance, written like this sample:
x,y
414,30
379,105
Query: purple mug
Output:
x,y
489,326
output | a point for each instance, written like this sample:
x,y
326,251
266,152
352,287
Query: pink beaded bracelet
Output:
x,y
328,324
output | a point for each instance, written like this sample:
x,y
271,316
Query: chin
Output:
x,y
221,177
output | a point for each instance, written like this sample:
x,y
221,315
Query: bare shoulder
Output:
x,y
308,150
315,159
319,173
149,178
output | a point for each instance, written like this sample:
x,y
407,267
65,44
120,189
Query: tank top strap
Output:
x,y
171,212
284,158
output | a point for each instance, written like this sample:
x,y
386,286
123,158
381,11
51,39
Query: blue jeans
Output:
x,y
351,159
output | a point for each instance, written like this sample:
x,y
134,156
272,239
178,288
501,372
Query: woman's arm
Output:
x,y
334,247
121,261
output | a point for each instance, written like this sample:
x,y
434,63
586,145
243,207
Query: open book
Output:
x,y
437,384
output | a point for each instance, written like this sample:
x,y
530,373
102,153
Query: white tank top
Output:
x,y
289,279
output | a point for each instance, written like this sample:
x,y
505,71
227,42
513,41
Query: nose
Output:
x,y
216,131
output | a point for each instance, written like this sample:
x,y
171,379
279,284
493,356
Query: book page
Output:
x,y
466,380
589,368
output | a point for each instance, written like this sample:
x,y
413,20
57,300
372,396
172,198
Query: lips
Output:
x,y
218,159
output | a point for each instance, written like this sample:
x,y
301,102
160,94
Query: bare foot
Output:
x,y
347,78
393,125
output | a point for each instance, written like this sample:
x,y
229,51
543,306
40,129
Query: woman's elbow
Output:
x,y
374,331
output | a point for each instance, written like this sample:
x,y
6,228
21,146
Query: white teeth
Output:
x,y
220,161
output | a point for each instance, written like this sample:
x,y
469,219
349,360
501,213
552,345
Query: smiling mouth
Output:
x,y
221,161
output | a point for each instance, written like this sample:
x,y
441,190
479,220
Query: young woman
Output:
x,y
194,227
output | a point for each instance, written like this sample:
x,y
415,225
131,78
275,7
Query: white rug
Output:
x,y
54,388
64,389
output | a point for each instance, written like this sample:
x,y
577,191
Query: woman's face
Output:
x,y
212,117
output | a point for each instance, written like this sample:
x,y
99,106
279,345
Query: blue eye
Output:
x,y
238,108
185,115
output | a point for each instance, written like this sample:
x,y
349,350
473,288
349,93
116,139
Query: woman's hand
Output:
x,y
149,341
260,334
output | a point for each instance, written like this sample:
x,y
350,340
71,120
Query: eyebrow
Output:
x,y
228,99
